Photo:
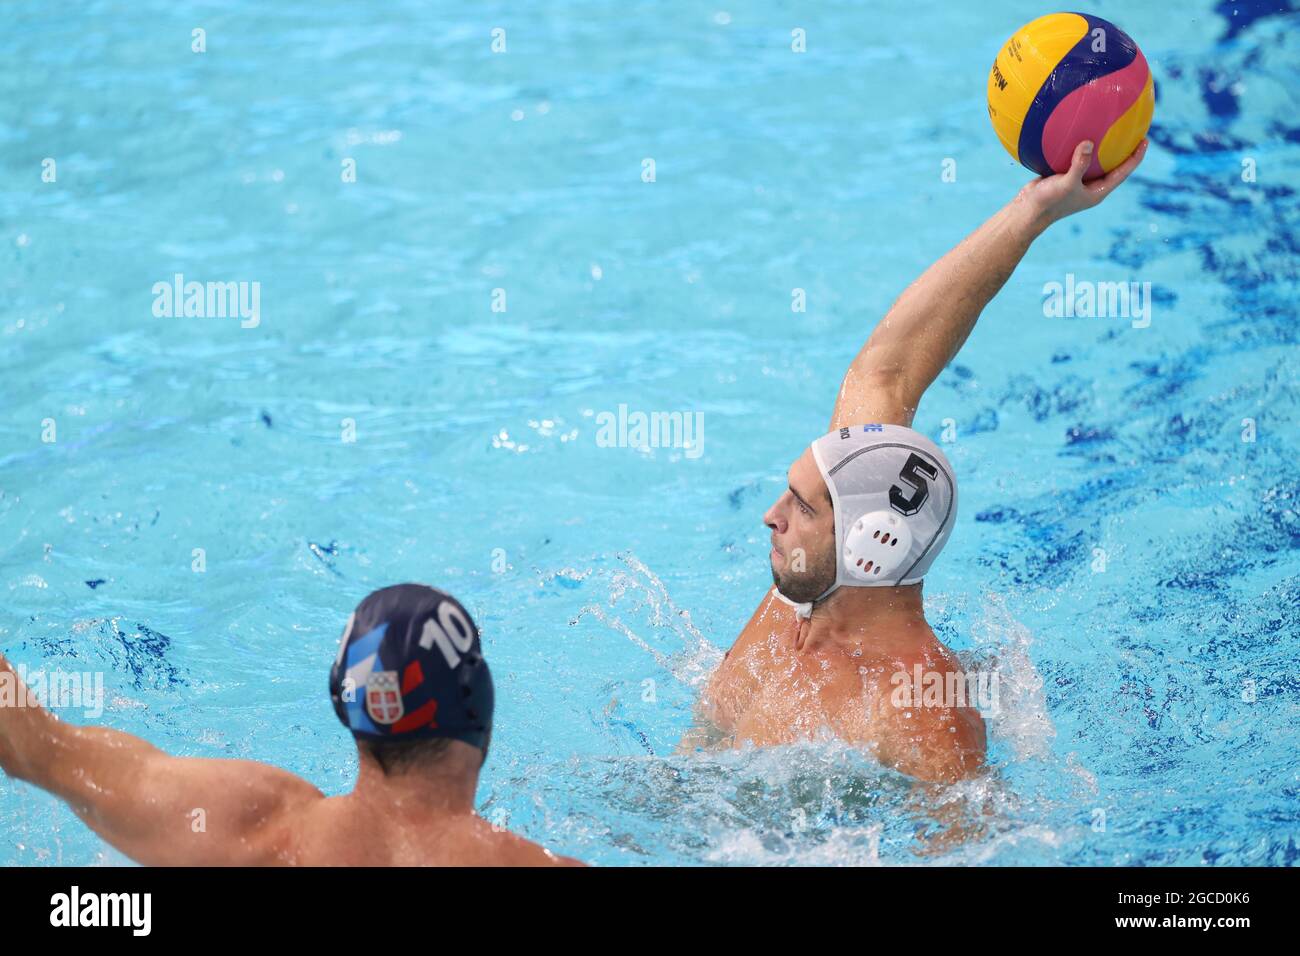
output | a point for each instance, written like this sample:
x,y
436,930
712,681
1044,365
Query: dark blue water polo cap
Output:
x,y
410,667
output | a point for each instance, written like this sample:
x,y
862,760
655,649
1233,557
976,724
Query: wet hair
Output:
x,y
398,756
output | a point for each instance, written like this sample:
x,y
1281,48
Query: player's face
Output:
x,y
803,534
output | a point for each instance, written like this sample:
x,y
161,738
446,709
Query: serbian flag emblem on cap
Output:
x,y
384,697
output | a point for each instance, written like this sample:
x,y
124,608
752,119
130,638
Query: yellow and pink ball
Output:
x,y
1064,78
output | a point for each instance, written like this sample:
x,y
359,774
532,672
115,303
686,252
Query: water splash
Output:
x,y
639,593
1002,646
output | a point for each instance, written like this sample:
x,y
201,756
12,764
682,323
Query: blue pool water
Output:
x,y
1148,709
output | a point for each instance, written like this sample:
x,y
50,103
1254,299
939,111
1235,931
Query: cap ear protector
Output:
x,y
876,546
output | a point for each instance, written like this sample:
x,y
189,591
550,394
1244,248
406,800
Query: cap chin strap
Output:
x,y
804,611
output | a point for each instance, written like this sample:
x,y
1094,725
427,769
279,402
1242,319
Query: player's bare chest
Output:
x,y
773,691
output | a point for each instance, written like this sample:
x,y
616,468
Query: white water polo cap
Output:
x,y
894,498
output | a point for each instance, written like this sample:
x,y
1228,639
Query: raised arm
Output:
x,y
158,810
923,330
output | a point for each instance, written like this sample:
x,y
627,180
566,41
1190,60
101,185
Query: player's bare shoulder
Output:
x,y
740,676
921,719
500,847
